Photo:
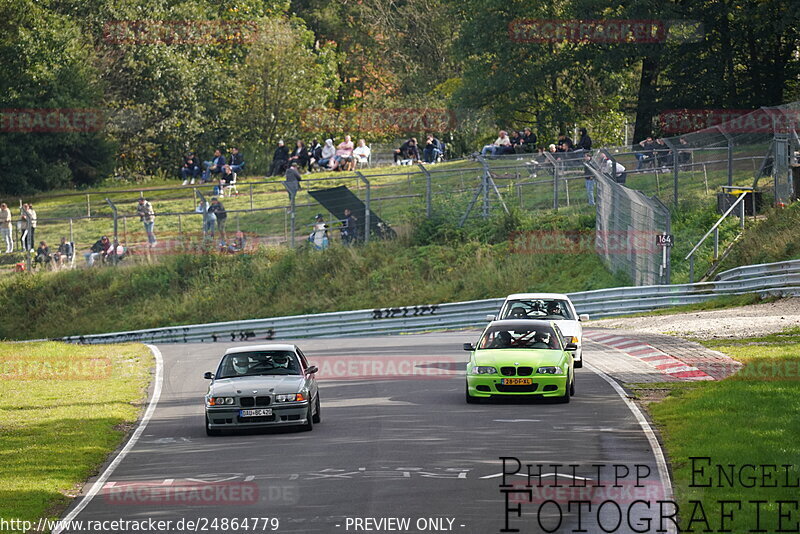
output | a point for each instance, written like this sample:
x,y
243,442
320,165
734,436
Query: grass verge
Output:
x,y
749,419
63,409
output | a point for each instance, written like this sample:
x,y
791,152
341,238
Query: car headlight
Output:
x,y
219,401
483,370
549,370
292,397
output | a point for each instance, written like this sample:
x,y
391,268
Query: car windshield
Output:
x,y
519,337
271,362
545,309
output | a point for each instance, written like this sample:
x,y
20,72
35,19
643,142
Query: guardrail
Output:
x,y
771,279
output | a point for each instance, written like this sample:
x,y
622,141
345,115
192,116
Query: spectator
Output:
x,y
407,151
644,154
228,178
362,152
43,255
292,182
684,154
191,168
343,160
587,157
27,227
325,160
432,149
300,155
237,244
148,217
319,236
349,228
585,142
618,173
214,166
564,143
5,227
499,145
209,219
237,160
220,215
314,153
100,250
663,154
280,160
64,253
527,141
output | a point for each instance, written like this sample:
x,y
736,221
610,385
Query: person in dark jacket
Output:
x,y
191,167
584,142
300,155
314,153
218,210
526,142
407,150
280,160
293,179
564,144
237,160
214,166
349,229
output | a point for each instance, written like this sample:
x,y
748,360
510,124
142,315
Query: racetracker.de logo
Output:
x,y
54,368
676,121
191,493
389,367
63,120
179,32
580,242
379,120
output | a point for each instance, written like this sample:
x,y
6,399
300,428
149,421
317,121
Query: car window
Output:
x,y
519,337
542,309
302,358
256,363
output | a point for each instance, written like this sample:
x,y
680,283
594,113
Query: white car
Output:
x,y
546,306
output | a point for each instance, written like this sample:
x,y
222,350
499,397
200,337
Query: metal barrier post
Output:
x,y
675,170
716,243
291,220
251,196
116,227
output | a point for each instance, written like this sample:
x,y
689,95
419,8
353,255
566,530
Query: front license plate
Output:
x,y
260,412
517,381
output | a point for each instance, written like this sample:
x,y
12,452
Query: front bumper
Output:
x,y
222,417
486,386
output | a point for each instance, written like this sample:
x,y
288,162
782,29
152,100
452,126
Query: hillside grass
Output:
x,y
63,410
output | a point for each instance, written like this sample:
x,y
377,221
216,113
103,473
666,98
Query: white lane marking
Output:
x,y
518,420
661,462
148,414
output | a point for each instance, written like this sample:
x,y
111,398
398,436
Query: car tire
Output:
x,y
578,363
567,389
470,398
211,431
572,387
317,416
309,420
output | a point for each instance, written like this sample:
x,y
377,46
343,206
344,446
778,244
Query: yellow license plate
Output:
x,y
517,381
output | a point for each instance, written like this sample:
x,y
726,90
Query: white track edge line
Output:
x,y
661,461
101,480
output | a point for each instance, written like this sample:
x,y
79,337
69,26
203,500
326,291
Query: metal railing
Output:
x,y
774,279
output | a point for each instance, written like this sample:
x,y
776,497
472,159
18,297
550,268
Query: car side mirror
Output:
x,y
491,318
571,347
208,375
469,346
583,317
312,369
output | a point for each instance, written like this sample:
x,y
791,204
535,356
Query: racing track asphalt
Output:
x,y
407,447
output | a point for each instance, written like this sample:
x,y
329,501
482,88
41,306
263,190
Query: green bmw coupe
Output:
x,y
521,358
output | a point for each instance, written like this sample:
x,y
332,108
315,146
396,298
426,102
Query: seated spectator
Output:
x,y
362,152
314,154
43,256
432,150
527,141
237,244
214,166
237,160
644,154
499,145
280,160
100,250
514,136
326,155
300,155
191,168
228,179
585,142
343,160
408,151
564,143
64,253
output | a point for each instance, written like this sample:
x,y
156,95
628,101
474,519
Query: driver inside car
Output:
x,y
241,364
518,313
502,340
542,341
554,308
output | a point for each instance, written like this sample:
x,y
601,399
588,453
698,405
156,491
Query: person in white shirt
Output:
x,y
362,152
499,145
620,176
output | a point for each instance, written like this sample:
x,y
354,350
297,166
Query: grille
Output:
x,y
249,402
518,371
524,371
262,401
516,389
507,371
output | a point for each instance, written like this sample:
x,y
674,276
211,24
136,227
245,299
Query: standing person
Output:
x,y
5,227
319,236
584,141
31,227
279,159
148,218
209,219
617,172
292,183
349,229
589,179
27,228
220,215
